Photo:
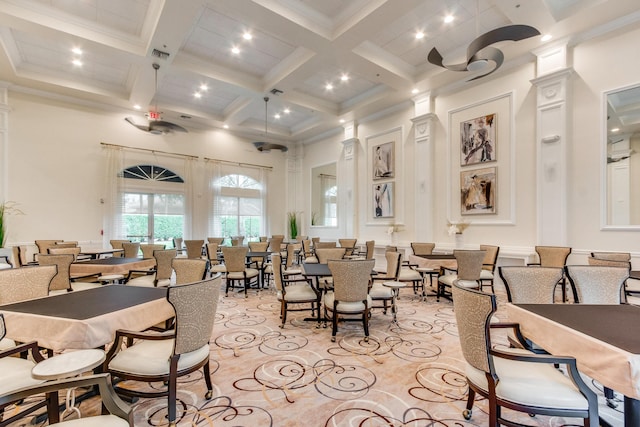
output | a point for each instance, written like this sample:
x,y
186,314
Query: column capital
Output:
x,y
349,147
422,126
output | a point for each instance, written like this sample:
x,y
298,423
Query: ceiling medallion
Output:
x,y
480,52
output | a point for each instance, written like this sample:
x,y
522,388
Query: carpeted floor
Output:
x,y
408,374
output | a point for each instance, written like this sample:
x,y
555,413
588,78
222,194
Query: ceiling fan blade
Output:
x,y
141,127
163,126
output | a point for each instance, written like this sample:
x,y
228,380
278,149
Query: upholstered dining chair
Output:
x,y
216,240
189,270
275,243
160,275
515,378
117,244
291,266
75,251
237,240
489,265
63,282
215,266
293,292
554,256
177,243
612,256
378,291
369,248
350,295
467,274
308,256
325,254
164,357
237,271
148,249
597,284
348,244
20,284
324,245
420,248
130,249
194,248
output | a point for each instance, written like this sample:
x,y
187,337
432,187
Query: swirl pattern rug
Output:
x,y
409,373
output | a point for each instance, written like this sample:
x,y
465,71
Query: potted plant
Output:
x,y
6,208
293,224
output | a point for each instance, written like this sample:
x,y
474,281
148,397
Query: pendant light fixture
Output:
x,y
263,146
480,52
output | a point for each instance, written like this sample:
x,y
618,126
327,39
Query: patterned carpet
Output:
x,y
409,374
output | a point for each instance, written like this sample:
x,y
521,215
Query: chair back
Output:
x,y
609,263
351,279
19,284
258,247
325,254
212,253
216,240
177,242
164,258
3,328
422,248
371,246
292,248
117,244
44,245
490,257
276,260
239,240
612,256
473,310
390,248
394,262
131,249
235,258
530,285
189,270
62,280
16,256
469,263
149,249
553,256
597,284
263,239
315,240
65,244
275,243
194,248
348,244
306,247
195,305
324,245
75,251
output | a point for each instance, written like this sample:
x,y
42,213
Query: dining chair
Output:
x,y
554,256
117,244
378,291
160,276
258,262
597,284
75,251
275,243
177,243
420,248
63,281
489,265
324,255
237,271
515,379
350,295
291,266
130,249
324,245
370,246
148,249
348,244
216,240
20,284
194,248
293,292
612,256
189,270
43,247
215,264
308,256
162,358
237,240
467,273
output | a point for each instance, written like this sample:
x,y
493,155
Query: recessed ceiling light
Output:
x,y
77,62
419,35
235,50
287,111
546,38
341,120
77,51
137,106
197,95
226,126
247,36
204,87
344,77
329,86
615,130
277,116
448,19
414,91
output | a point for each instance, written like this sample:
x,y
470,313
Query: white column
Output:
x,y
423,159
294,190
4,141
347,182
552,133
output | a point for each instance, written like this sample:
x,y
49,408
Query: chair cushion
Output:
x,y
532,384
299,293
238,275
151,358
379,291
4,266
218,268
292,270
448,279
6,343
472,284
15,373
99,421
311,260
409,275
147,281
486,275
83,286
346,307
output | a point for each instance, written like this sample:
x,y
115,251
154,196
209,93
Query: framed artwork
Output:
x,y
383,163
383,200
478,140
478,191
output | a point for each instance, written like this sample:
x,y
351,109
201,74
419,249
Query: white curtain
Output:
x,y
213,173
263,177
189,196
113,227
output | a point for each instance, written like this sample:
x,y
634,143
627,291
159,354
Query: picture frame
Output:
x,y
383,199
383,161
478,139
478,191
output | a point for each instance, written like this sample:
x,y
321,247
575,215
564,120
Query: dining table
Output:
x,y
112,265
597,336
95,253
86,319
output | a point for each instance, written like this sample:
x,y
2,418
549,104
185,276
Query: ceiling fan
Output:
x,y
266,147
156,125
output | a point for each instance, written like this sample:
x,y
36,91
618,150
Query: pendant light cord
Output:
x,y
266,101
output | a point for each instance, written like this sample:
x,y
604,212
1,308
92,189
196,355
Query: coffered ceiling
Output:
x,y
297,47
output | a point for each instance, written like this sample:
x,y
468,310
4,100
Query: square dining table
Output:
x,y
112,265
88,318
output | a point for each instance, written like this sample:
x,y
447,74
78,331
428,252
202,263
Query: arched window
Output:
x,y
154,206
238,207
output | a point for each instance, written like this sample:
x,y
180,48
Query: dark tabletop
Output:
x,y
111,261
634,274
89,303
613,324
438,256
315,269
